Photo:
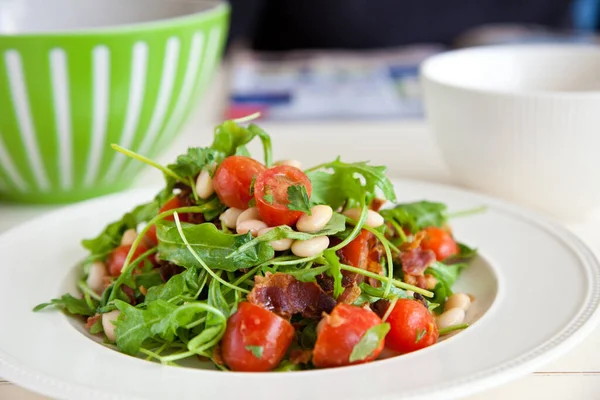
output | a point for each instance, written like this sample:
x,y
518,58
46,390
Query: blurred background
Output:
x,y
357,59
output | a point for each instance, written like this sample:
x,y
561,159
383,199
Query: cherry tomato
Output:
x,y
339,332
271,194
255,339
357,251
412,327
233,179
440,242
116,259
171,204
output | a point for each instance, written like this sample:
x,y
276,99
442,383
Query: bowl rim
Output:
x,y
425,71
214,8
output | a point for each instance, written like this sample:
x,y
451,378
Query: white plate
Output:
x,y
537,289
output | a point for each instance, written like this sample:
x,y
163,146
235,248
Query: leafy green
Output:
x,y
212,245
257,351
110,238
71,304
418,215
370,341
230,136
268,198
298,199
349,183
301,274
370,294
335,271
197,158
287,366
97,327
465,254
446,276
419,335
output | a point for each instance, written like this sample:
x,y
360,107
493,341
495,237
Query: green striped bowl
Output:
x,y
78,75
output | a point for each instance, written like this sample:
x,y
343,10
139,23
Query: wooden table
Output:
x,y
410,152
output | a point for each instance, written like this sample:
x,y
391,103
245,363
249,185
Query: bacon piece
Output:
x,y
415,243
350,294
416,261
300,356
91,321
376,204
285,296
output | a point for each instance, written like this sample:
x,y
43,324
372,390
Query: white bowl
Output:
x,y
521,122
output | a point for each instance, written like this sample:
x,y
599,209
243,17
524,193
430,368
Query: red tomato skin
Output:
x,y
116,259
356,252
278,213
440,242
171,204
253,325
339,332
408,319
233,179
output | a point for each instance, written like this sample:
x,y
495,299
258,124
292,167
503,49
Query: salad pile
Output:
x,y
260,266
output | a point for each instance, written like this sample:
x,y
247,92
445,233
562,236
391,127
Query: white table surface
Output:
x,y
410,152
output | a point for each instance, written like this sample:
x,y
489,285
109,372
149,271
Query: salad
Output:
x,y
264,266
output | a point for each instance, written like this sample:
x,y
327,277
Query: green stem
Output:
x,y
200,261
148,161
176,356
243,278
445,331
192,184
399,230
385,279
127,266
266,142
464,213
317,167
357,227
247,118
82,285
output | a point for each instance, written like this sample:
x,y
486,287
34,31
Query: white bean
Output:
x,y
374,219
251,213
277,245
453,316
250,225
230,216
204,185
310,247
128,237
107,324
320,216
458,300
96,275
291,163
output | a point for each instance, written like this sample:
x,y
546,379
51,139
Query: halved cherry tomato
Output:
x,y
255,339
233,179
171,204
412,327
271,194
440,242
339,332
116,259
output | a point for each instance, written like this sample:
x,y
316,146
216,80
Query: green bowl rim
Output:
x,y
220,7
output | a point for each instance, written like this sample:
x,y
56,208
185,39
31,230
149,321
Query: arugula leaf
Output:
x,y
464,255
301,274
97,327
212,245
110,238
370,294
197,158
308,336
217,300
370,341
335,271
298,199
446,276
231,137
71,304
349,183
287,366
257,351
418,215
173,288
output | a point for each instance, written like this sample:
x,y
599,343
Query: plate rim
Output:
x,y
579,327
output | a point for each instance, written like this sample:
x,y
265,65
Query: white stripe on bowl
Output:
x,y
101,89
62,110
207,65
163,100
16,80
7,165
139,68
191,72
